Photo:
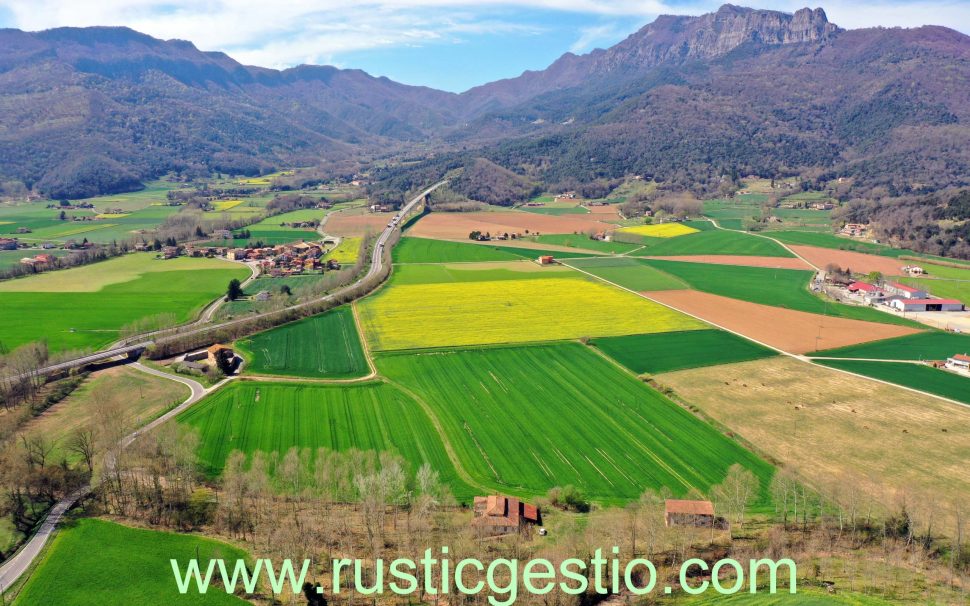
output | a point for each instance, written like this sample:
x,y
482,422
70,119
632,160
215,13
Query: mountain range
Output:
x,y
94,110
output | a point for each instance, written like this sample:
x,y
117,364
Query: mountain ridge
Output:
x,y
151,106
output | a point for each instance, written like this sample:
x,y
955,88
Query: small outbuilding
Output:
x,y
546,260
679,512
959,362
220,354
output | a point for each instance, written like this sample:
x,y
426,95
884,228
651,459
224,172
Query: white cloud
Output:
x,y
318,31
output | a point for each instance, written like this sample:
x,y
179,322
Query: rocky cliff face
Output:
x,y
668,40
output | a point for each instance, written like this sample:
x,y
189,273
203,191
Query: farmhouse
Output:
x,y
914,270
862,287
855,229
8,243
927,305
959,362
497,515
688,513
546,260
907,292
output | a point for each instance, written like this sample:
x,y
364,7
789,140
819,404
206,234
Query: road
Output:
x,y
144,340
13,568
18,564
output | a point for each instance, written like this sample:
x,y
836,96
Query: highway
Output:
x,y
14,567
142,341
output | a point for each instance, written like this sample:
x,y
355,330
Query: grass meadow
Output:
x,y
94,562
443,314
932,345
917,376
535,417
714,242
629,273
425,250
584,242
86,306
787,288
665,352
346,252
274,417
322,346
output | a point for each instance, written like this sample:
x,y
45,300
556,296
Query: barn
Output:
x,y
927,305
678,512
906,292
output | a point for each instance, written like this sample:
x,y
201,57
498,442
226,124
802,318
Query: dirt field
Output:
x,y
788,330
823,424
775,262
528,244
605,213
356,225
457,226
857,262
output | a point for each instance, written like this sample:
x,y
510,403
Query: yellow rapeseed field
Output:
x,y
111,215
410,316
224,205
661,230
346,252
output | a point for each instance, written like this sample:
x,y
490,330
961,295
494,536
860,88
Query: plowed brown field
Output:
x,y
457,226
788,330
856,261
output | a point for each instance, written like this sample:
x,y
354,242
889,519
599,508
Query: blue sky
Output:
x,y
447,44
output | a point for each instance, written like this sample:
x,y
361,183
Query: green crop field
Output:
x,y
531,418
424,250
324,346
556,210
273,285
786,288
582,241
629,273
273,417
700,225
86,306
829,240
533,253
94,562
917,376
666,352
713,242
933,345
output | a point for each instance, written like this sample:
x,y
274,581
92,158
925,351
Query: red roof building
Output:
x,y
863,287
499,515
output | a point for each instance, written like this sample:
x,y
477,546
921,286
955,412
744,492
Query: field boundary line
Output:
x,y
363,340
884,382
708,322
445,441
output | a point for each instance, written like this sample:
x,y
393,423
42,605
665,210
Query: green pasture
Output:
x,y
932,345
917,376
85,307
322,346
666,352
93,562
424,250
535,417
274,417
713,242
628,272
584,242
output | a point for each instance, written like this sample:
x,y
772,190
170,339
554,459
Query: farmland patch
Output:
x,y
535,417
322,346
664,352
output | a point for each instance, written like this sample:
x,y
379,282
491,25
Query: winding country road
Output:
x,y
16,566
